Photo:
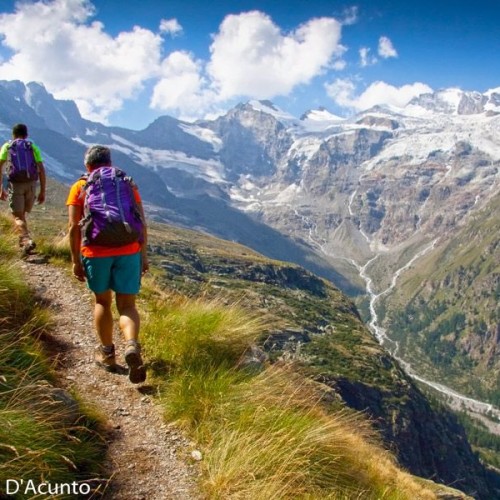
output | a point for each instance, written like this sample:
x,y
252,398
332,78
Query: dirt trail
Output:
x,y
146,458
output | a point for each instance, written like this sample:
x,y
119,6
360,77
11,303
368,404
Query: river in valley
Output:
x,y
457,401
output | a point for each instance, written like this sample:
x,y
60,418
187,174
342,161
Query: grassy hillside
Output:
x,y
263,429
45,435
306,316
446,313
446,316
208,301
310,323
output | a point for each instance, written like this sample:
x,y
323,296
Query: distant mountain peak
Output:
x,y
453,101
265,106
320,114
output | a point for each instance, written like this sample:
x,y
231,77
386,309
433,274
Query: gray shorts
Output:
x,y
21,196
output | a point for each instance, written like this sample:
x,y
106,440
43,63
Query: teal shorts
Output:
x,y
122,273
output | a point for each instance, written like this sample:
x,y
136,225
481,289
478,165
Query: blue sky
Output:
x,y
126,63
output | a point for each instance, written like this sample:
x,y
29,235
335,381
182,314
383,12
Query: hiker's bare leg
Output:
x,y
103,317
129,324
129,316
21,227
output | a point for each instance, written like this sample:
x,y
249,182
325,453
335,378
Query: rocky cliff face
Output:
x,y
411,422
253,142
350,189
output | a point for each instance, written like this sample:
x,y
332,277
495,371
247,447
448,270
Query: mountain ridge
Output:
x,y
354,201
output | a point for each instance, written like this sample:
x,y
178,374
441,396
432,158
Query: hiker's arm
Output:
x,y
144,247
75,237
3,193
43,182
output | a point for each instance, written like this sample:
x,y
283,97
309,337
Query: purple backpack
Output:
x,y
111,216
22,163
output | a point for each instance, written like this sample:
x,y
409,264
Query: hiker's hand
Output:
x,y
145,266
79,271
41,198
3,194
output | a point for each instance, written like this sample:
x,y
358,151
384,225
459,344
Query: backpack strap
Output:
x,y
118,181
83,177
103,194
9,149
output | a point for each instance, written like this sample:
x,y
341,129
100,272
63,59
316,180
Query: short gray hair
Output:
x,y
97,156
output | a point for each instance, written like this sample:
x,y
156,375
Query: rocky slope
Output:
x,y
343,190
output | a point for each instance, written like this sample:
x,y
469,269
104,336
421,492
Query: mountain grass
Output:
x,y
45,435
264,432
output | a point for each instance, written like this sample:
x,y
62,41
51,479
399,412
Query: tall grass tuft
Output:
x,y
184,332
57,248
265,434
44,434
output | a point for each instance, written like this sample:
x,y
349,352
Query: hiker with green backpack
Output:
x,y
107,234
24,168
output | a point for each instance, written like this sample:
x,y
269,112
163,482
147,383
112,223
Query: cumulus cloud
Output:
x,y
74,57
170,26
343,92
181,87
251,56
385,48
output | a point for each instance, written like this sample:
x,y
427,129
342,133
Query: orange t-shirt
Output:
x,y
76,198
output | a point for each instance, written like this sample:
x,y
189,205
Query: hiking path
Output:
x,y
147,459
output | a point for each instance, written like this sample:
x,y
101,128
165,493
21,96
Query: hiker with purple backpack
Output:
x,y
24,168
107,233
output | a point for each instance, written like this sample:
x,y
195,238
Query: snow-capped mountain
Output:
x,y
455,101
356,200
382,183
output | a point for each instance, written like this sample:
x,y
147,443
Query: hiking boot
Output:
x,y
106,359
27,248
30,246
137,371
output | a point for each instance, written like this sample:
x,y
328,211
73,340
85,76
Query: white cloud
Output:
x,y
343,92
339,65
350,16
251,56
365,59
385,48
170,26
74,57
181,87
